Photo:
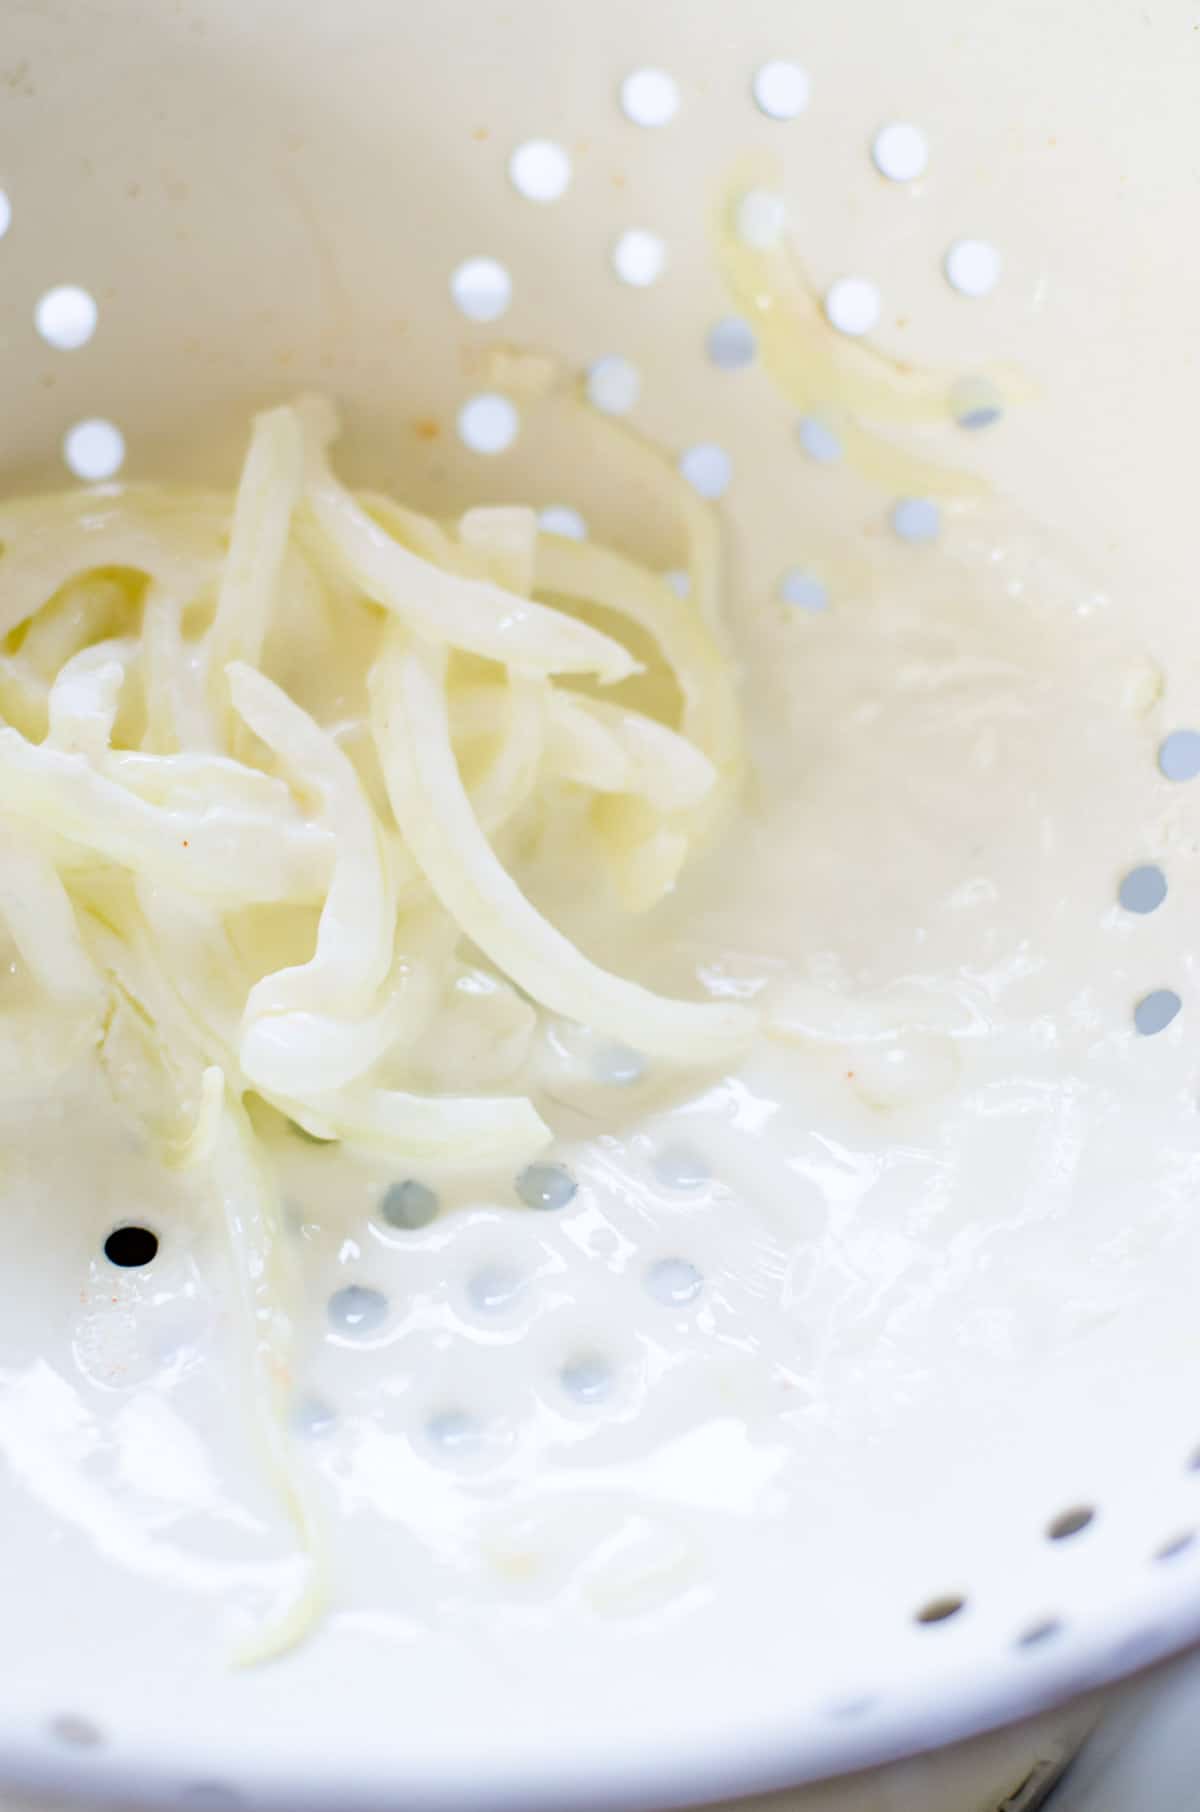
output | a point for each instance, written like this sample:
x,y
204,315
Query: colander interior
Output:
x,y
758,1457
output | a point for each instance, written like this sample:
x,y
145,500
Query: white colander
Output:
x,y
900,1445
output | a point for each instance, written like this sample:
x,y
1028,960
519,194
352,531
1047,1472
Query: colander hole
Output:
x,y
488,423
5,213
853,305
649,97
546,1186
680,583
972,267
94,449
679,1167
313,1417
1143,889
493,1288
1038,1633
900,151
731,343
1070,1522
708,469
618,1064
131,1247
66,316
803,591
614,385
409,1205
975,403
760,219
781,89
639,257
587,1377
674,1282
76,1732
818,440
1155,1011
972,419
454,1432
540,170
482,289
1178,1544
916,519
940,1610
560,519
357,1310
1179,755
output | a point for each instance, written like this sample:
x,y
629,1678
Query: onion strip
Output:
x,y
412,731
446,609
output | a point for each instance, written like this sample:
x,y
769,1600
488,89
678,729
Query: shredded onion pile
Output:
x,y
268,766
